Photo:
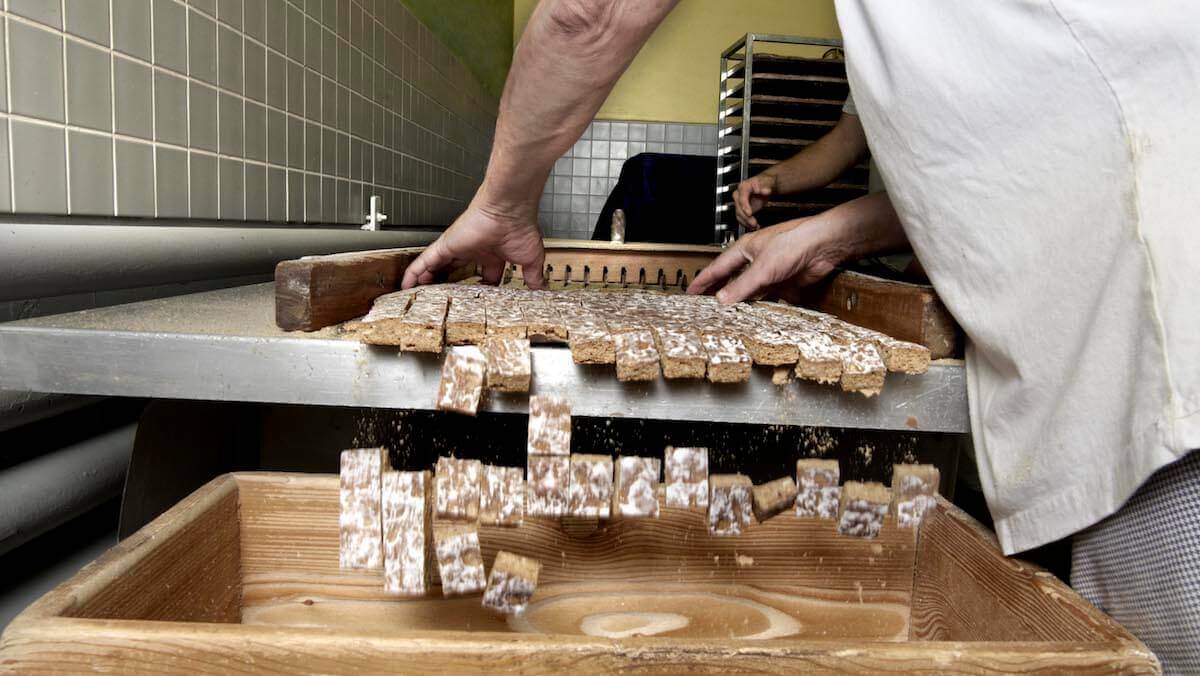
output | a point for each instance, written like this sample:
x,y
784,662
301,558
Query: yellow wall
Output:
x,y
674,77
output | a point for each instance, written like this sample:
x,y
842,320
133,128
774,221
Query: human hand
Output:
x,y
801,250
751,195
485,236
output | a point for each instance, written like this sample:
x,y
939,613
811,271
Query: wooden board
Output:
x,y
636,264
902,310
315,292
964,592
134,608
183,566
318,291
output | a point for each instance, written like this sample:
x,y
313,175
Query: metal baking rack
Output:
x,y
771,106
224,345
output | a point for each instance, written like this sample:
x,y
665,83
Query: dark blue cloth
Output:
x,y
666,198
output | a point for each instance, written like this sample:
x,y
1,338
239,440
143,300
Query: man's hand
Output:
x,y
751,195
797,250
483,236
569,58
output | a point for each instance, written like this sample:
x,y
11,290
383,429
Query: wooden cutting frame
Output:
x,y
318,291
635,264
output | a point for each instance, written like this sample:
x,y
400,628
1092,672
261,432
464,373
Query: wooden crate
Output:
x,y
243,576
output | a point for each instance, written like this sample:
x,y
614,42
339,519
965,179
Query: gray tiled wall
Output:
x,y
584,176
257,110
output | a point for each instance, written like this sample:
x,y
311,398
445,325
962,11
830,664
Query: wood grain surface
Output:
x,y
168,647
290,530
183,566
965,592
716,611
301,615
192,574
317,291
911,312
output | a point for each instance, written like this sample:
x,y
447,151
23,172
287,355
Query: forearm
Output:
x,y
571,55
867,226
802,251
820,163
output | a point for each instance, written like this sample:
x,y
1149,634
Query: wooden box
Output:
x,y
243,576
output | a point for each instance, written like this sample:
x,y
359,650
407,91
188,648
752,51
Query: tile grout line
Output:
x,y
287,130
217,77
153,115
12,174
62,8
112,95
438,176
245,102
187,58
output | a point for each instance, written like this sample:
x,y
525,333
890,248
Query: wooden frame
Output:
x,y
314,292
317,291
242,576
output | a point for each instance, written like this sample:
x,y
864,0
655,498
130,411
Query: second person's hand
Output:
x,y
800,250
803,251
750,196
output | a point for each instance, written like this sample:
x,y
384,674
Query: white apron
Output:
x,y
1044,158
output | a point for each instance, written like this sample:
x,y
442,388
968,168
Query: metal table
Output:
x,y
224,345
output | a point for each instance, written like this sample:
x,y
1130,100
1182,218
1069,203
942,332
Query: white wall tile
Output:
x,y
588,172
397,98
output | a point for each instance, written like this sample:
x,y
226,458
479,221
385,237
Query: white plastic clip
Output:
x,y
376,217
618,227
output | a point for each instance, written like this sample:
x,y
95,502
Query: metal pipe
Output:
x,y
54,488
54,259
21,408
